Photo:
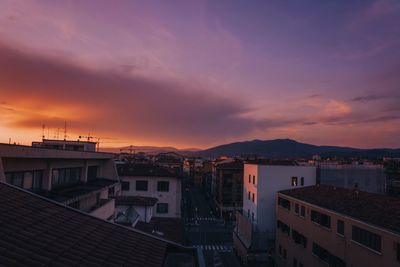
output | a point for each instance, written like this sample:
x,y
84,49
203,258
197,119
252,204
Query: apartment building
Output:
x,y
330,226
83,180
254,233
229,187
146,180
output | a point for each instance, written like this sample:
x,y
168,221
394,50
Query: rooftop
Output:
x,y
75,192
35,231
148,170
379,210
171,228
272,162
135,201
237,164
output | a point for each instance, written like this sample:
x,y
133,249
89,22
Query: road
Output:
x,y
207,231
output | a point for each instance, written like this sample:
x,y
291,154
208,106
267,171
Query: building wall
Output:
x,y
369,178
343,247
269,179
229,198
172,197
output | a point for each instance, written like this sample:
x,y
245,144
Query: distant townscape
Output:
x,y
256,203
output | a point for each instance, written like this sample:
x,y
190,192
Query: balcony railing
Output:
x,y
104,209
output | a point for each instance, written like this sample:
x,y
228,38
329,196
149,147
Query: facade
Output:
x,y
229,187
329,226
365,177
254,234
146,180
83,180
67,145
36,231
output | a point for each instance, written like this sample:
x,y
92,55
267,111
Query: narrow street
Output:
x,y
206,230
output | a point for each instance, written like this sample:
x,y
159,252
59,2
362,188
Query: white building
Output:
x,y
146,180
255,230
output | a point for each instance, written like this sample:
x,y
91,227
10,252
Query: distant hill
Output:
x,y
148,149
287,148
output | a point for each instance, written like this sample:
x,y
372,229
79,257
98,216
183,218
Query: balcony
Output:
x,y
104,209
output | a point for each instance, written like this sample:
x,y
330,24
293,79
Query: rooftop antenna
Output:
x,y
43,128
65,130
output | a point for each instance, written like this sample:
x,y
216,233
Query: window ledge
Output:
x,y
322,227
340,235
370,249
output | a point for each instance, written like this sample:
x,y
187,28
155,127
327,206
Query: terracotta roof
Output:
x,y
171,228
135,201
35,231
375,209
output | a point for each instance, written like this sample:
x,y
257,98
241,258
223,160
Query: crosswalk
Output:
x,y
210,219
221,248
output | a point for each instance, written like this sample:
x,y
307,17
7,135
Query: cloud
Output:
x,y
47,90
368,98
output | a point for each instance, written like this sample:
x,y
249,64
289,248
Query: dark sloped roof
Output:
x,y
375,209
37,232
135,201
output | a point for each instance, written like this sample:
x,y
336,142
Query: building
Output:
x,y
153,181
365,177
169,160
229,187
84,180
36,231
254,234
67,145
331,226
132,209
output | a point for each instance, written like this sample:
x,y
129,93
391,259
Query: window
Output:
x,y
327,257
249,195
294,262
284,203
294,181
249,178
92,173
254,179
125,186
302,181
296,208
299,238
252,216
15,178
162,207
366,238
248,213
163,186
141,185
301,264
284,227
340,227
280,250
320,218
303,211
253,198
320,252
284,254
398,252
65,176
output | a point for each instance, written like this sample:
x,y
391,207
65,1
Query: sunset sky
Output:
x,y
201,73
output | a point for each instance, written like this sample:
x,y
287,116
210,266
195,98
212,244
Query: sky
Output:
x,y
201,73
